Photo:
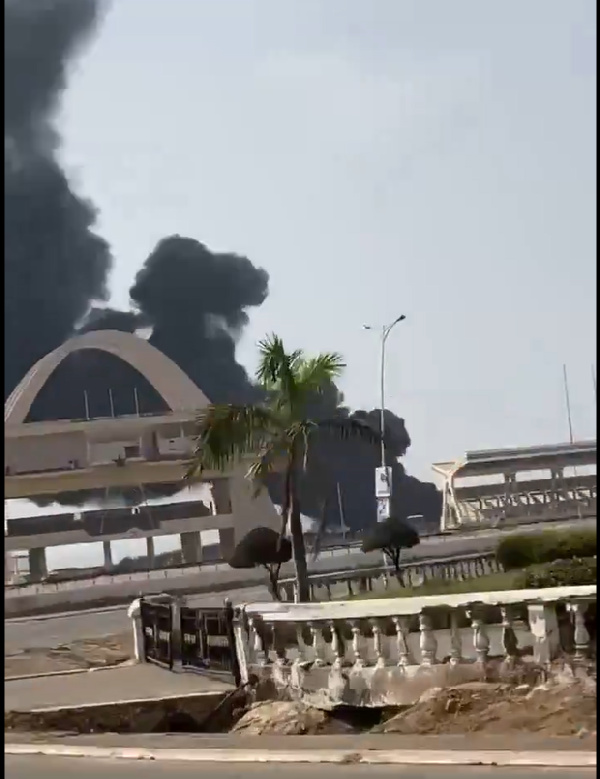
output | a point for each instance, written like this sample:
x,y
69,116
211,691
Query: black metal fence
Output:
x,y
194,639
157,624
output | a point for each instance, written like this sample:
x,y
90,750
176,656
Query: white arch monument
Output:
x,y
181,395
175,387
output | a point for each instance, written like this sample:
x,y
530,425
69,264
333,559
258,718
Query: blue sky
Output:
x,y
421,156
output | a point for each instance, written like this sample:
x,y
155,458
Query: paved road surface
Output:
x,y
127,683
50,632
47,633
75,768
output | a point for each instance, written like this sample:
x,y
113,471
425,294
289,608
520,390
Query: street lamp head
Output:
x,y
401,318
367,327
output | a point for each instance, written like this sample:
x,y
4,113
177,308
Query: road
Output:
x,y
74,768
50,631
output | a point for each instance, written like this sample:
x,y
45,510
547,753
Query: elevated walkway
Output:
x,y
512,486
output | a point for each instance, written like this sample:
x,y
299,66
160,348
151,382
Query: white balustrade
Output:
x,y
395,647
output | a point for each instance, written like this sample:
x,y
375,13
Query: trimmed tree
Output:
x,y
391,537
264,548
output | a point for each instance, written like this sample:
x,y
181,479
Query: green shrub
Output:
x,y
521,551
562,573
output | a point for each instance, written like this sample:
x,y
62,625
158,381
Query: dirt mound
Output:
x,y
551,710
288,718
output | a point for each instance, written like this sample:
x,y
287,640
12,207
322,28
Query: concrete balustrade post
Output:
x,y
544,628
134,612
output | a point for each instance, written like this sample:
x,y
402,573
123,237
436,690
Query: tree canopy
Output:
x,y
263,547
391,537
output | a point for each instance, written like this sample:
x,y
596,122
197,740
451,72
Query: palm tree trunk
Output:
x,y
273,571
298,548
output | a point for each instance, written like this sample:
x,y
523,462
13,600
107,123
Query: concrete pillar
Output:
x,y
226,542
191,547
219,492
108,561
38,569
250,509
150,551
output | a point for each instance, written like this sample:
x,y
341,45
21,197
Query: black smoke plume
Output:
x,y
54,262
193,302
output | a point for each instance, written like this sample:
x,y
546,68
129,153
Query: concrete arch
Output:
x,y
175,387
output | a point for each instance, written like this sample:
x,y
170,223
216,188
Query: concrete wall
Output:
x,y
173,527
251,510
27,455
108,589
108,452
126,716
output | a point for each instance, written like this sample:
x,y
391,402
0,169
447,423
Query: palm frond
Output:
x,y
227,433
345,429
277,369
271,459
314,374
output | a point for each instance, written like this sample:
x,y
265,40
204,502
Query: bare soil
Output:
x,y
82,654
548,710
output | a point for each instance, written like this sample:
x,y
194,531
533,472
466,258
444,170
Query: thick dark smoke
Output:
x,y
351,465
197,303
193,302
54,263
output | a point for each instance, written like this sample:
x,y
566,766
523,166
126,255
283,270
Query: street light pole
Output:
x,y
385,332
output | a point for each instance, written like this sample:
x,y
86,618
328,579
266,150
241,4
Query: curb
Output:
x,y
44,617
504,758
66,672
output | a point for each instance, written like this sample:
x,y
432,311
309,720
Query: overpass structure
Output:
x,y
512,486
46,458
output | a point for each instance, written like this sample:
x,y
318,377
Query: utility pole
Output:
x,y
568,403
383,475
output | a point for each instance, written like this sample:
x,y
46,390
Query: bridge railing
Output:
x,y
325,585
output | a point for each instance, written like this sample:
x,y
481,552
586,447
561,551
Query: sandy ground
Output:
x,y
547,710
82,653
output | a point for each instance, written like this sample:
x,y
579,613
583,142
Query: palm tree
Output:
x,y
277,434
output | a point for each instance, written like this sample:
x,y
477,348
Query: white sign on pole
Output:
x,y
383,482
383,509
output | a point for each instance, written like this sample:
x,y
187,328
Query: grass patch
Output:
x,y
554,574
509,580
